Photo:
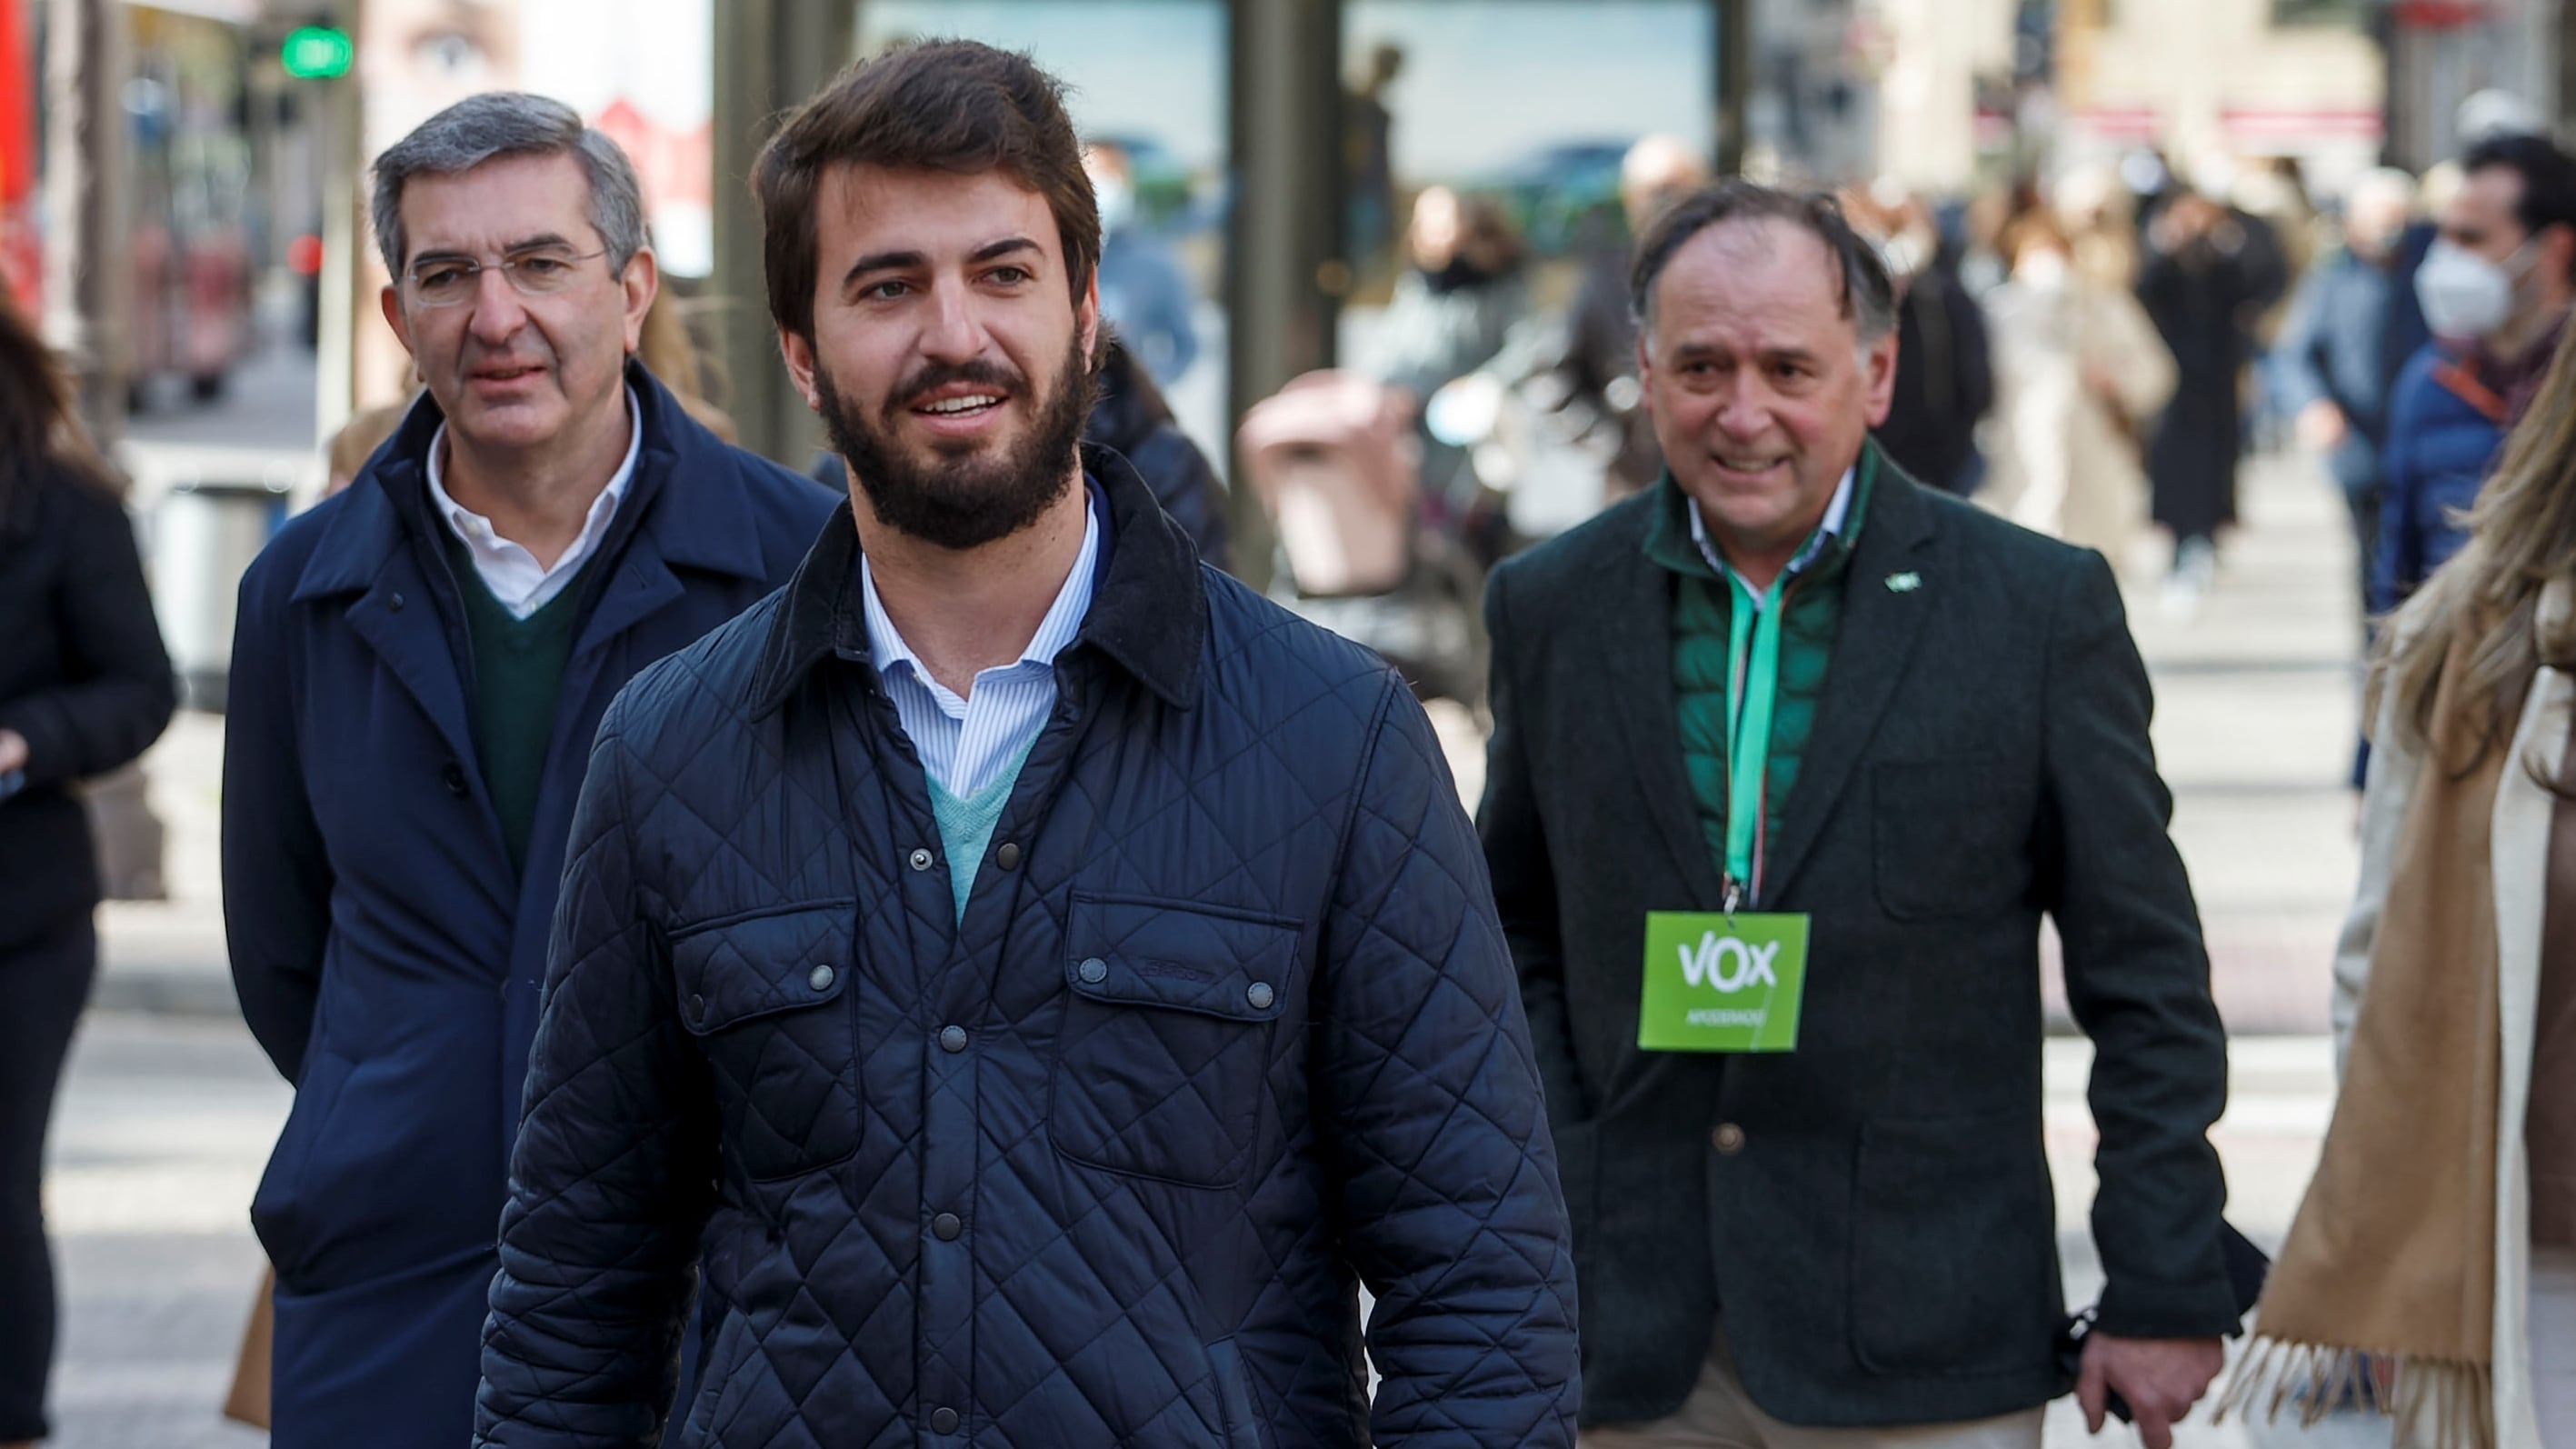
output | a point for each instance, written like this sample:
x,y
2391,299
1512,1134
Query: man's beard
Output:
x,y
971,499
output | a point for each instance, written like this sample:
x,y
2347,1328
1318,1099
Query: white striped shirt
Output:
x,y
964,744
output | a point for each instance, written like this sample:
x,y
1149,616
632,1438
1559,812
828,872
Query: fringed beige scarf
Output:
x,y
2392,1254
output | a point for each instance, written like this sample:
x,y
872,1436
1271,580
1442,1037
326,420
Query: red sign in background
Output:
x,y
22,258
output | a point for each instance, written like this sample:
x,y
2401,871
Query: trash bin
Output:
x,y
204,534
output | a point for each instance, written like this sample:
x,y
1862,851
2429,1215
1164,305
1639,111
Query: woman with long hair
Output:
x,y
2436,1249
84,688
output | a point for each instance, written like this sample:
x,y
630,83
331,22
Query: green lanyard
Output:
x,y
1752,688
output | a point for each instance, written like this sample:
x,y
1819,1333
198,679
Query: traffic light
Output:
x,y
317,52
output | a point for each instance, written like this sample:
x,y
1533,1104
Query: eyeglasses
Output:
x,y
537,272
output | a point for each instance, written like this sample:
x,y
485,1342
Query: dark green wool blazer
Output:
x,y
1870,1215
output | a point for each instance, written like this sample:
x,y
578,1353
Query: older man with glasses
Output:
x,y
419,666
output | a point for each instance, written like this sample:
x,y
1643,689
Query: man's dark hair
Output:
x,y
945,105
2548,180
1868,297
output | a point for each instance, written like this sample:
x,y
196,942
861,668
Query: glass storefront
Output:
x,y
1483,144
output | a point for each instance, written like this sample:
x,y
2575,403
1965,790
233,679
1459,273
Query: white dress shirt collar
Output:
x,y
516,579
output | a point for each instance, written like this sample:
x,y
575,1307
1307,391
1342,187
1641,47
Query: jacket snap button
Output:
x,y
952,1038
698,1010
1729,1138
943,1421
395,603
453,776
1260,995
1008,857
820,979
947,1227
1094,970
921,859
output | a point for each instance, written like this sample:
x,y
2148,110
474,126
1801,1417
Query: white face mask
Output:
x,y
1117,202
2466,298
2041,270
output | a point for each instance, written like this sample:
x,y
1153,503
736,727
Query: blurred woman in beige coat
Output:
x,y
2079,371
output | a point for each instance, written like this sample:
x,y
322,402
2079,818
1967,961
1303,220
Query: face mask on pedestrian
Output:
x,y
2465,296
2041,269
1117,203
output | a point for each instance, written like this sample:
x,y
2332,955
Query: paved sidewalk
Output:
x,y
2257,709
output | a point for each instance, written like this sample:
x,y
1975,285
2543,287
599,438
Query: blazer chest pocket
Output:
x,y
1167,1036
1950,838
768,999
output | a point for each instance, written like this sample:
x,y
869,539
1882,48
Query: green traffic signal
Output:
x,y
317,52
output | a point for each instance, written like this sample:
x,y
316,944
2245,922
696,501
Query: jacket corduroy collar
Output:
x,y
700,524
1149,613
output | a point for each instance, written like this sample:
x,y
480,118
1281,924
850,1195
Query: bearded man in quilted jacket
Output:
x,y
1036,981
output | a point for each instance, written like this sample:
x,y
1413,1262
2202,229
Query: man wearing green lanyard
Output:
x,y
1790,757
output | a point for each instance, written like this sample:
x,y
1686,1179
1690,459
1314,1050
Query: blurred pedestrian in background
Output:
x,y
1129,417
2202,278
2330,358
2495,289
1457,300
84,687
1368,161
2439,1233
1143,291
1945,382
2081,374
1886,732
420,666
1600,363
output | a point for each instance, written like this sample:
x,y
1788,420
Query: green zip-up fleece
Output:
x,y
1702,603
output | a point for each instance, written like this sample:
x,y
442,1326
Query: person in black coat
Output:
x,y
1945,378
2207,272
1131,418
84,687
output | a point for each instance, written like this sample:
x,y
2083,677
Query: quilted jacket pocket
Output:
x,y
1166,1037
766,996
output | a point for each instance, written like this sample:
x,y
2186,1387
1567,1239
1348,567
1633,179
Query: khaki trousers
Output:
x,y
1720,1415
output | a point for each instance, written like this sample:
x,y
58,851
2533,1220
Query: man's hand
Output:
x,y
13,751
2321,426
2160,1378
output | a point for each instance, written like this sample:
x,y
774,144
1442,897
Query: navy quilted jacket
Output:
x,y
1228,1032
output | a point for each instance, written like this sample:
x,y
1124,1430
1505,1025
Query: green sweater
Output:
x,y
966,825
1702,603
518,677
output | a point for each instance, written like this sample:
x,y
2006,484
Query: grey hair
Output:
x,y
1868,295
510,123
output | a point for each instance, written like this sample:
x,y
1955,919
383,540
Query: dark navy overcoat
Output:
x,y
387,956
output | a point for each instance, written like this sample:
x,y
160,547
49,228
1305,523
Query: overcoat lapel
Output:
x,y
1889,592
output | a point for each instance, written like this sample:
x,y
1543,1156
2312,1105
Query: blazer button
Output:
x,y
697,1011
1728,1138
1260,995
820,978
943,1421
921,859
452,775
946,1227
1093,970
395,603
952,1038
1008,857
